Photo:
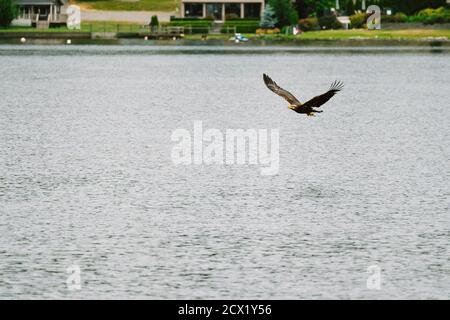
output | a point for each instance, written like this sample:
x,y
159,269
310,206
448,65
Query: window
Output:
x,y
252,10
193,10
232,10
214,10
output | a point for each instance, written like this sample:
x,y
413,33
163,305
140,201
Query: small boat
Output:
x,y
238,38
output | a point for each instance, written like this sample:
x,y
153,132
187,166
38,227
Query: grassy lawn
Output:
x,y
357,34
30,29
109,26
129,5
113,26
409,34
91,26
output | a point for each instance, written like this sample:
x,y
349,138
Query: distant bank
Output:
x,y
111,30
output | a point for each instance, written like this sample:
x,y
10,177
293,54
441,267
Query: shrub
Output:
x,y
411,7
284,12
436,19
329,22
244,19
358,20
415,19
8,12
432,12
172,18
194,26
154,21
267,31
244,26
399,17
309,24
231,16
190,23
431,16
269,19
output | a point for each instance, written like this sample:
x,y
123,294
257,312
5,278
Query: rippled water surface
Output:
x,y
86,176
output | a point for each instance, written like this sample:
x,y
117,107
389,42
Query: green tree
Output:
x,y
319,8
350,7
8,12
316,8
269,19
303,9
284,12
412,6
154,22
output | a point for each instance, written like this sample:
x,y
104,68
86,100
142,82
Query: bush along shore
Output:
x,y
426,25
427,18
114,31
284,20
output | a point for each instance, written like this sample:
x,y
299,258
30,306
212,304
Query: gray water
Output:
x,y
87,180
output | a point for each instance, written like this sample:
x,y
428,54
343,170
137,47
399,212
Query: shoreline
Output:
x,y
107,38
117,32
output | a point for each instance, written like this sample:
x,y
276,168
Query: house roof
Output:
x,y
39,2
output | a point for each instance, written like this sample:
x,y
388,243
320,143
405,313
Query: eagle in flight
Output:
x,y
307,107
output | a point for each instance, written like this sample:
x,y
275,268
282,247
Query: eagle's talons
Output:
x,y
310,115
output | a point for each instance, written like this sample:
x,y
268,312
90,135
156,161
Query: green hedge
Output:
x,y
432,16
203,25
309,24
240,29
396,18
244,19
426,16
329,22
241,26
358,20
436,19
191,19
8,11
192,26
190,23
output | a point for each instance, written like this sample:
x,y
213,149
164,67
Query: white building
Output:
x,y
41,12
220,10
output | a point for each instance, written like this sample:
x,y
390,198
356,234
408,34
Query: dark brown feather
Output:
x,y
272,85
318,101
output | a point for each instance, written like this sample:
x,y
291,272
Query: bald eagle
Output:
x,y
307,107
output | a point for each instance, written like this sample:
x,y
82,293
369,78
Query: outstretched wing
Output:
x,y
316,102
272,85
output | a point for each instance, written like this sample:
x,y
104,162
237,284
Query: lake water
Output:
x,y
87,182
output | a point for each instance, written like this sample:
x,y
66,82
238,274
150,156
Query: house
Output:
x,y
220,10
41,13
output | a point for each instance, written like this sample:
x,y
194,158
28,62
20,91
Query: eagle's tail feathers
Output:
x,y
336,86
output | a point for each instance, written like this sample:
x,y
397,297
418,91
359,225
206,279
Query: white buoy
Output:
x,y
23,40
236,40
69,41
145,38
174,38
